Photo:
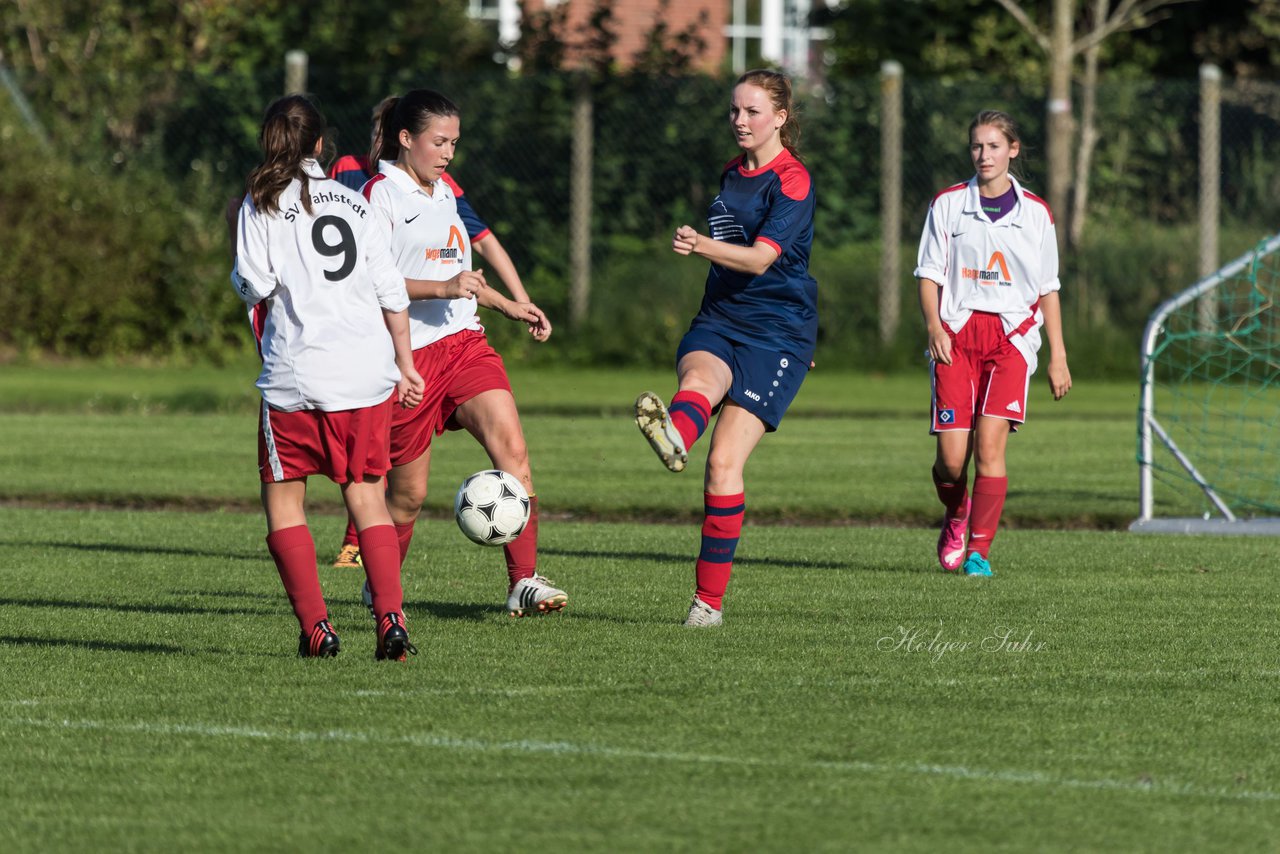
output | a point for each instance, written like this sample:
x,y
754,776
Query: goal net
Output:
x,y
1209,418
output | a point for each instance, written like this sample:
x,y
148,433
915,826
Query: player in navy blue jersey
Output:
x,y
353,171
751,343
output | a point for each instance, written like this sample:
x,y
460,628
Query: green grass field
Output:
x,y
1106,691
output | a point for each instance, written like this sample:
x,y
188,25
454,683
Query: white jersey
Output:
x,y
428,241
315,283
1002,267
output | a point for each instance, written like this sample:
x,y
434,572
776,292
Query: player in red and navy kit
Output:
x,y
353,171
466,382
313,264
751,344
988,271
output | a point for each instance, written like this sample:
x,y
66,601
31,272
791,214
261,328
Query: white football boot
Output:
x,y
535,595
664,438
702,615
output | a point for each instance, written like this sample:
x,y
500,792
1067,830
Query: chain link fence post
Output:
x,y
890,198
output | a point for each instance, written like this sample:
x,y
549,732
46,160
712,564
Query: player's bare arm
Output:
x,y
753,260
939,340
496,257
521,311
1058,373
500,262
465,285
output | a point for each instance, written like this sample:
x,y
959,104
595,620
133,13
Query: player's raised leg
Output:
x,y
672,431
492,418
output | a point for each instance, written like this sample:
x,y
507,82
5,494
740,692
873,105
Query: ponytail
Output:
x,y
290,130
412,111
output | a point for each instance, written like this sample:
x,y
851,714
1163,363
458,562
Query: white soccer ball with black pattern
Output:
x,y
492,507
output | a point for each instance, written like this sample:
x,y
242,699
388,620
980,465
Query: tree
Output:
x,y
1060,43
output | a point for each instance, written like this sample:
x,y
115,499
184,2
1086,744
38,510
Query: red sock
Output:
x,y
404,533
952,495
351,538
380,551
984,518
690,413
294,552
721,528
522,552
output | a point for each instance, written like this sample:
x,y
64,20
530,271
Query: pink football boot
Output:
x,y
951,540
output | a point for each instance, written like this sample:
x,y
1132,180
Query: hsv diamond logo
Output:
x,y
946,416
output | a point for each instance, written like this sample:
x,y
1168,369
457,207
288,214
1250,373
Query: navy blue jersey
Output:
x,y
777,310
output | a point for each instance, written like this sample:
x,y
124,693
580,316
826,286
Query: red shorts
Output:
x,y
455,369
987,376
349,445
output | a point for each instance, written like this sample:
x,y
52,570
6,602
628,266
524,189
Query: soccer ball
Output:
x,y
492,507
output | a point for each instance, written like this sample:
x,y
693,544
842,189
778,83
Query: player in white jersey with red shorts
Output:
x,y
466,382
313,264
988,272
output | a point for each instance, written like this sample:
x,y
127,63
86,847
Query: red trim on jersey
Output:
x,y
481,236
794,177
732,163
950,189
1029,322
453,185
1033,197
258,320
367,189
767,242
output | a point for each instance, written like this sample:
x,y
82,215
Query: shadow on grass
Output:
x,y
132,608
99,646
689,557
145,550
469,612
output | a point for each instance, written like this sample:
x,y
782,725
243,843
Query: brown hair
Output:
x,y
291,128
1004,123
778,88
412,111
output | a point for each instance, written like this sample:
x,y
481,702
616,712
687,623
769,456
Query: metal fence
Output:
x,y
657,146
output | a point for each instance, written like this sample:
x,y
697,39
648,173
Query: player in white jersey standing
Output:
x,y
313,264
988,272
466,382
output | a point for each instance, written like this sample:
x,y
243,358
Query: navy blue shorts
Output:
x,y
764,381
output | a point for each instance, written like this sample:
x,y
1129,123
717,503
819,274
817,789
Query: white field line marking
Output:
x,y
565,748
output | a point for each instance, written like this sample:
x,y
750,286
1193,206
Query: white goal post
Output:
x,y
1209,415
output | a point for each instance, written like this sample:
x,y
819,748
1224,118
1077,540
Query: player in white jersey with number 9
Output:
x,y
315,268
988,272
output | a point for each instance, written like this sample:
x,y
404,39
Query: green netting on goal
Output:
x,y
1209,424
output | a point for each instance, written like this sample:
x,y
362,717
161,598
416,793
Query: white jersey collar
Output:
x,y
312,168
402,181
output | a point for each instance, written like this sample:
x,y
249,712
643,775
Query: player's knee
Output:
x,y
723,471
406,499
